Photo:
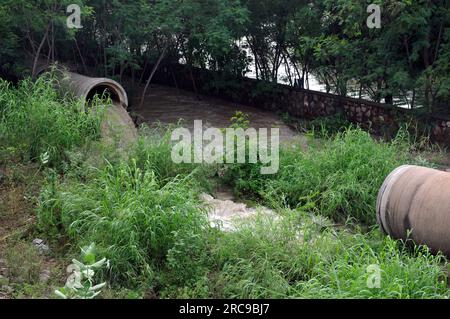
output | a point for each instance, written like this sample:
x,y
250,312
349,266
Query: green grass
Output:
x,y
133,210
296,258
35,123
329,126
143,213
341,177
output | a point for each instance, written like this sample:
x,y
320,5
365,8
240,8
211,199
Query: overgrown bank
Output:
x,y
145,216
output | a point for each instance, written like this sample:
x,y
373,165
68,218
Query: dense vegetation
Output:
x,y
144,214
407,59
139,218
36,124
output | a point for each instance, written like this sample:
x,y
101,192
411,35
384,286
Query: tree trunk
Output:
x,y
81,56
143,72
38,53
151,75
194,85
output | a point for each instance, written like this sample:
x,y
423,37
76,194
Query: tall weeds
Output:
x,y
341,177
35,121
133,210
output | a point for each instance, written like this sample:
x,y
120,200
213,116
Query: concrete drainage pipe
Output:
x,y
81,86
117,125
414,203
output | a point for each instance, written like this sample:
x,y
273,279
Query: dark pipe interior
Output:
x,y
103,91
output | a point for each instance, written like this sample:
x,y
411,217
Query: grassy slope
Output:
x,y
144,215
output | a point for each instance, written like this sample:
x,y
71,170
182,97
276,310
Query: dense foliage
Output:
x,y
406,60
144,214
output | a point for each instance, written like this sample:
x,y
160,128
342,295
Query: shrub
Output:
x,y
329,126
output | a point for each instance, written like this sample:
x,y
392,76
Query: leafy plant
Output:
x,y
329,126
80,283
240,120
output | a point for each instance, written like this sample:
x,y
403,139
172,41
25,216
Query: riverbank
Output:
x,y
146,215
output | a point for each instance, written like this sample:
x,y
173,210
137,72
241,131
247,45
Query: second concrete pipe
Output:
x,y
414,203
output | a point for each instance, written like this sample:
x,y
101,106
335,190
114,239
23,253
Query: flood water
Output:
x,y
168,105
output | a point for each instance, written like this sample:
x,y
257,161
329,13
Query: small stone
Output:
x,y
206,197
41,246
448,124
38,241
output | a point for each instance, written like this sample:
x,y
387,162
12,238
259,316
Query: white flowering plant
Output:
x,y
80,282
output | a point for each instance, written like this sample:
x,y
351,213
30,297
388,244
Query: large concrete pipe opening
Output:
x,y
117,125
85,87
104,91
414,204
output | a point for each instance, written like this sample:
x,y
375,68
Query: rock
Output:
x,y
38,241
448,124
41,246
44,276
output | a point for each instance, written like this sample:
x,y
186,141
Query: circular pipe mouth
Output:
x,y
86,87
107,89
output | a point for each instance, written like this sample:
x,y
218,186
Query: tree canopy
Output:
x,y
406,59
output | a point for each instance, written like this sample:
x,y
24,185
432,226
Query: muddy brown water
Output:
x,y
168,105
